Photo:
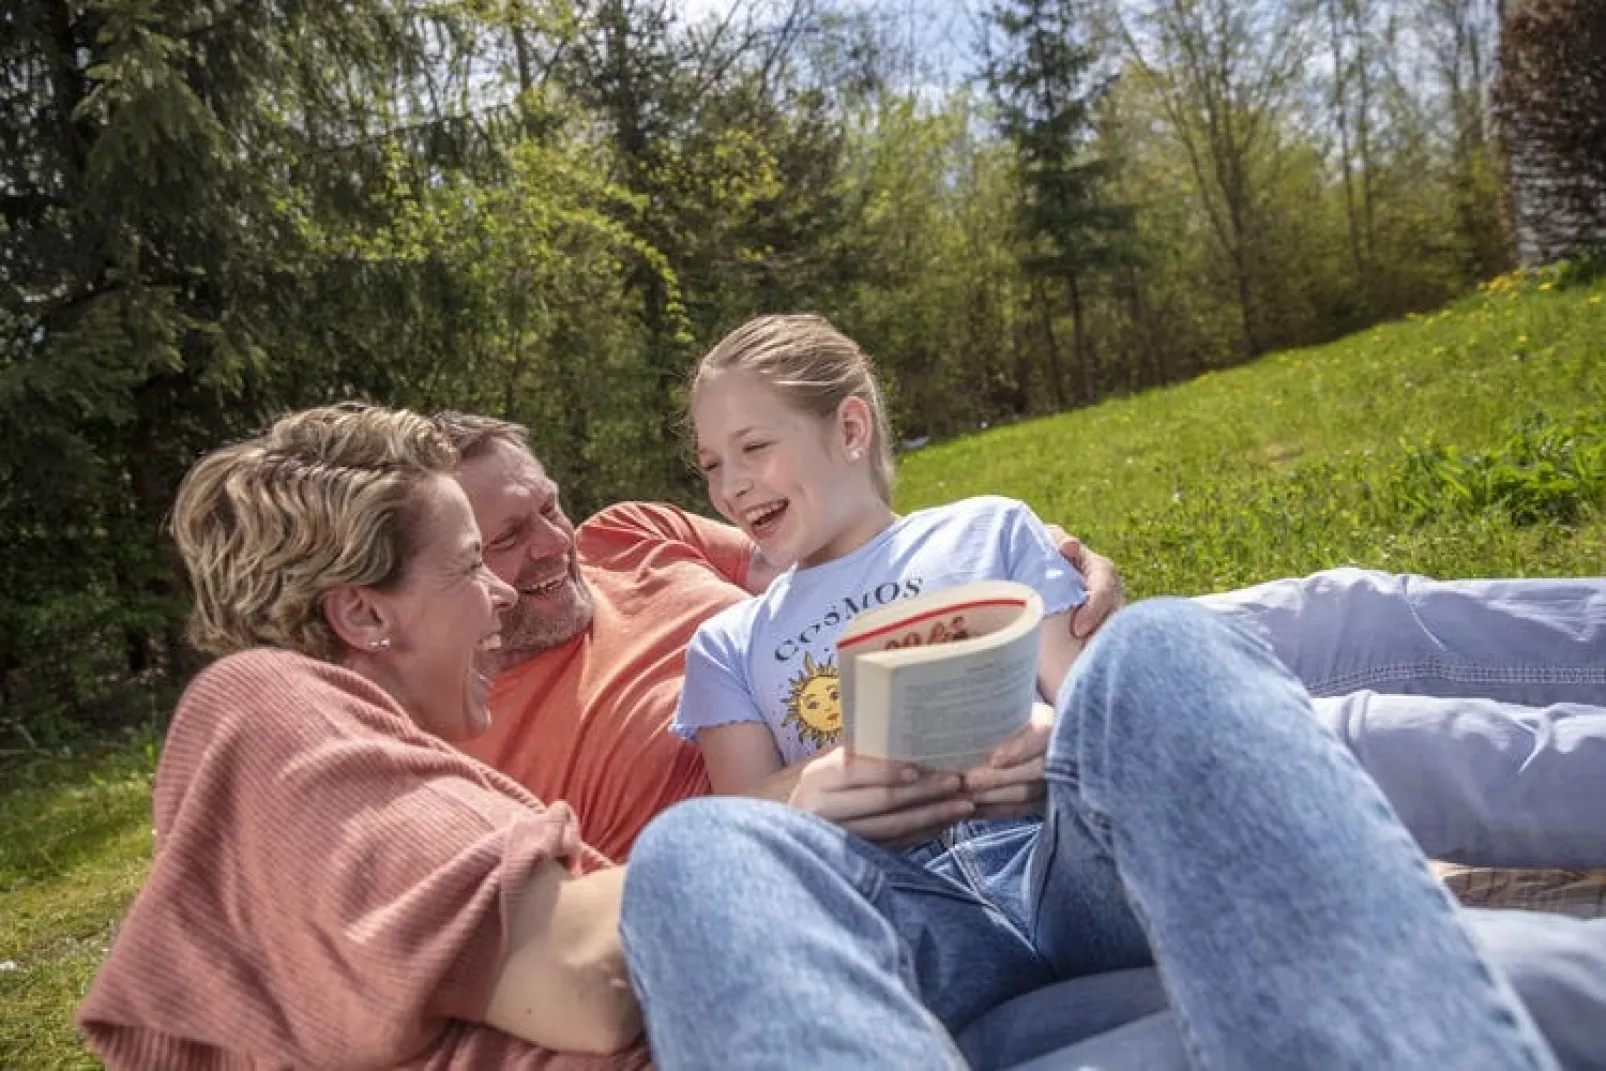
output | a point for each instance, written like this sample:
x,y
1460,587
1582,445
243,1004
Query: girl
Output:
x,y
1169,833
792,437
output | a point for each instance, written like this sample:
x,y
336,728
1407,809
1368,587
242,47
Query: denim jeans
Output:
x,y
1479,706
1197,815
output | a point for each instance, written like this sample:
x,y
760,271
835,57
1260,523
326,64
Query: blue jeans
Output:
x,y
1197,815
1479,706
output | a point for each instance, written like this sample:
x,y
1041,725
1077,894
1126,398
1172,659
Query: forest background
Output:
x,y
213,211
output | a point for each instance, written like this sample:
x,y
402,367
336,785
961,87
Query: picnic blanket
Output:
x,y
1580,893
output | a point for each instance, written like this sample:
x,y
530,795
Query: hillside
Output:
x,y
1468,442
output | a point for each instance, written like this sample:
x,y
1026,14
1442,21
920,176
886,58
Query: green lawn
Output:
x,y
76,836
1469,442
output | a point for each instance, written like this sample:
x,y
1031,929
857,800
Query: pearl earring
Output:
x,y
380,644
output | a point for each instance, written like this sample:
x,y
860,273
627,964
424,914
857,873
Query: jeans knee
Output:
x,y
1158,621
685,847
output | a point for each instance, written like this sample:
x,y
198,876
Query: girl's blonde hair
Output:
x,y
815,367
325,498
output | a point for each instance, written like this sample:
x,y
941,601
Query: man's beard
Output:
x,y
533,625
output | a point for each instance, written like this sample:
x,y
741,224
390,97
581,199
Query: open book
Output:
x,y
941,679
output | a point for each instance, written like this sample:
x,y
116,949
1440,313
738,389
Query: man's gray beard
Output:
x,y
527,633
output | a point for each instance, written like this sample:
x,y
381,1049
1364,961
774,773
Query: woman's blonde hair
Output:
x,y
325,498
815,367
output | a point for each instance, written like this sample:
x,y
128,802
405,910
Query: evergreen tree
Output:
x,y
1044,82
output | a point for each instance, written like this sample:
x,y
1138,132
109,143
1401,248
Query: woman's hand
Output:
x,y
1011,782
889,803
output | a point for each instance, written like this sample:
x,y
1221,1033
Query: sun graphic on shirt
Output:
x,y
815,703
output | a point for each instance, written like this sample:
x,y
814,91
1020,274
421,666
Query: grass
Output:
x,y
1468,442
1465,443
75,846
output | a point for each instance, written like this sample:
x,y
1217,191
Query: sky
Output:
x,y
942,32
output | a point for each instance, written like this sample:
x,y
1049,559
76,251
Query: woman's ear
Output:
x,y
354,615
856,424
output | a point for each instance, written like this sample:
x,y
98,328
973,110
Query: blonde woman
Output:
x,y
334,885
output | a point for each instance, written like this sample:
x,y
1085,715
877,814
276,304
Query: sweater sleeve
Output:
x,y
332,887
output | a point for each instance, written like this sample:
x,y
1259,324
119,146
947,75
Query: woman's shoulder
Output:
x,y
263,705
268,676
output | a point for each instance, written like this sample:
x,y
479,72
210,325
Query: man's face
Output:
x,y
529,543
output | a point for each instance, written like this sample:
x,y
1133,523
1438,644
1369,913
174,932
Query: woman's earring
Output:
x,y
380,644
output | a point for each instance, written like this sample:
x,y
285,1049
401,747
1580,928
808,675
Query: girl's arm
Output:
x,y
1056,651
888,803
741,758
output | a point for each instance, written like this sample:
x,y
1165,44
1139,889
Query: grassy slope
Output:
x,y
1300,461
1304,460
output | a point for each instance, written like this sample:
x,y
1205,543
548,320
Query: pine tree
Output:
x,y
1044,83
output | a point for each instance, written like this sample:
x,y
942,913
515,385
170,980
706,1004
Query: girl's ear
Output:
x,y
856,424
355,615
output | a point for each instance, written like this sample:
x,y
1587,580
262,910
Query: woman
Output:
x,y
334,886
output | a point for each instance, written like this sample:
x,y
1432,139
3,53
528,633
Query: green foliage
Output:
x,y
211,213
1544,472
1459,443
77,840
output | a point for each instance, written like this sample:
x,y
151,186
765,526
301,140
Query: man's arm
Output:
x,y
564,984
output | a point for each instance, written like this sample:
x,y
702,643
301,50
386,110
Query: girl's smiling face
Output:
x,y
797,484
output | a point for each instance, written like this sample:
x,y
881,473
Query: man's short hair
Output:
x,y
472,435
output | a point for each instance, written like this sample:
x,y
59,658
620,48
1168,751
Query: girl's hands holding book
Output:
x,y
1011,783
890,803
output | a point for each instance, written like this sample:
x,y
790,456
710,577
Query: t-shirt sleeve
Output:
x,y
716,691
630,533
1033,559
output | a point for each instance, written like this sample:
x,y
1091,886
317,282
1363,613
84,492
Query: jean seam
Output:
x,y
972,871
1462,673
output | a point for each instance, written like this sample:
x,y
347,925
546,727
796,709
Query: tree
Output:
x,y
1225,71
1044,83
1552,99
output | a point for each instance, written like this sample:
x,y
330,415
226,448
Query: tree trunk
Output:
x,y
1056,363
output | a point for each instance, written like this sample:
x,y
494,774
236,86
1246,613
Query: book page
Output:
x,y
949,714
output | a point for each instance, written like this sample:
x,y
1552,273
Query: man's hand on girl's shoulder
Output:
x,y
1104,591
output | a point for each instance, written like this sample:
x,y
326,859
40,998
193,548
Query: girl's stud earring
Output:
x,y
381,643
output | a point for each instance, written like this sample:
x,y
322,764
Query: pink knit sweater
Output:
x,y
332,887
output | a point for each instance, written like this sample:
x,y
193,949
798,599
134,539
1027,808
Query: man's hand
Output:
x,y
1104,593
889,803
1011,783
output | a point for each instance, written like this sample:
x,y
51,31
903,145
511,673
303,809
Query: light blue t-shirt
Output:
x,y
772,659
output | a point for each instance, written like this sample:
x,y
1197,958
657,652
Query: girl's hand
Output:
x,y
889,803
1011,783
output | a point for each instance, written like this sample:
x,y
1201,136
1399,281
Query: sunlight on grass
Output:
x,y
1304,460
75,848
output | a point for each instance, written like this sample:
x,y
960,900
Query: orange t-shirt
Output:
x,y
588,722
